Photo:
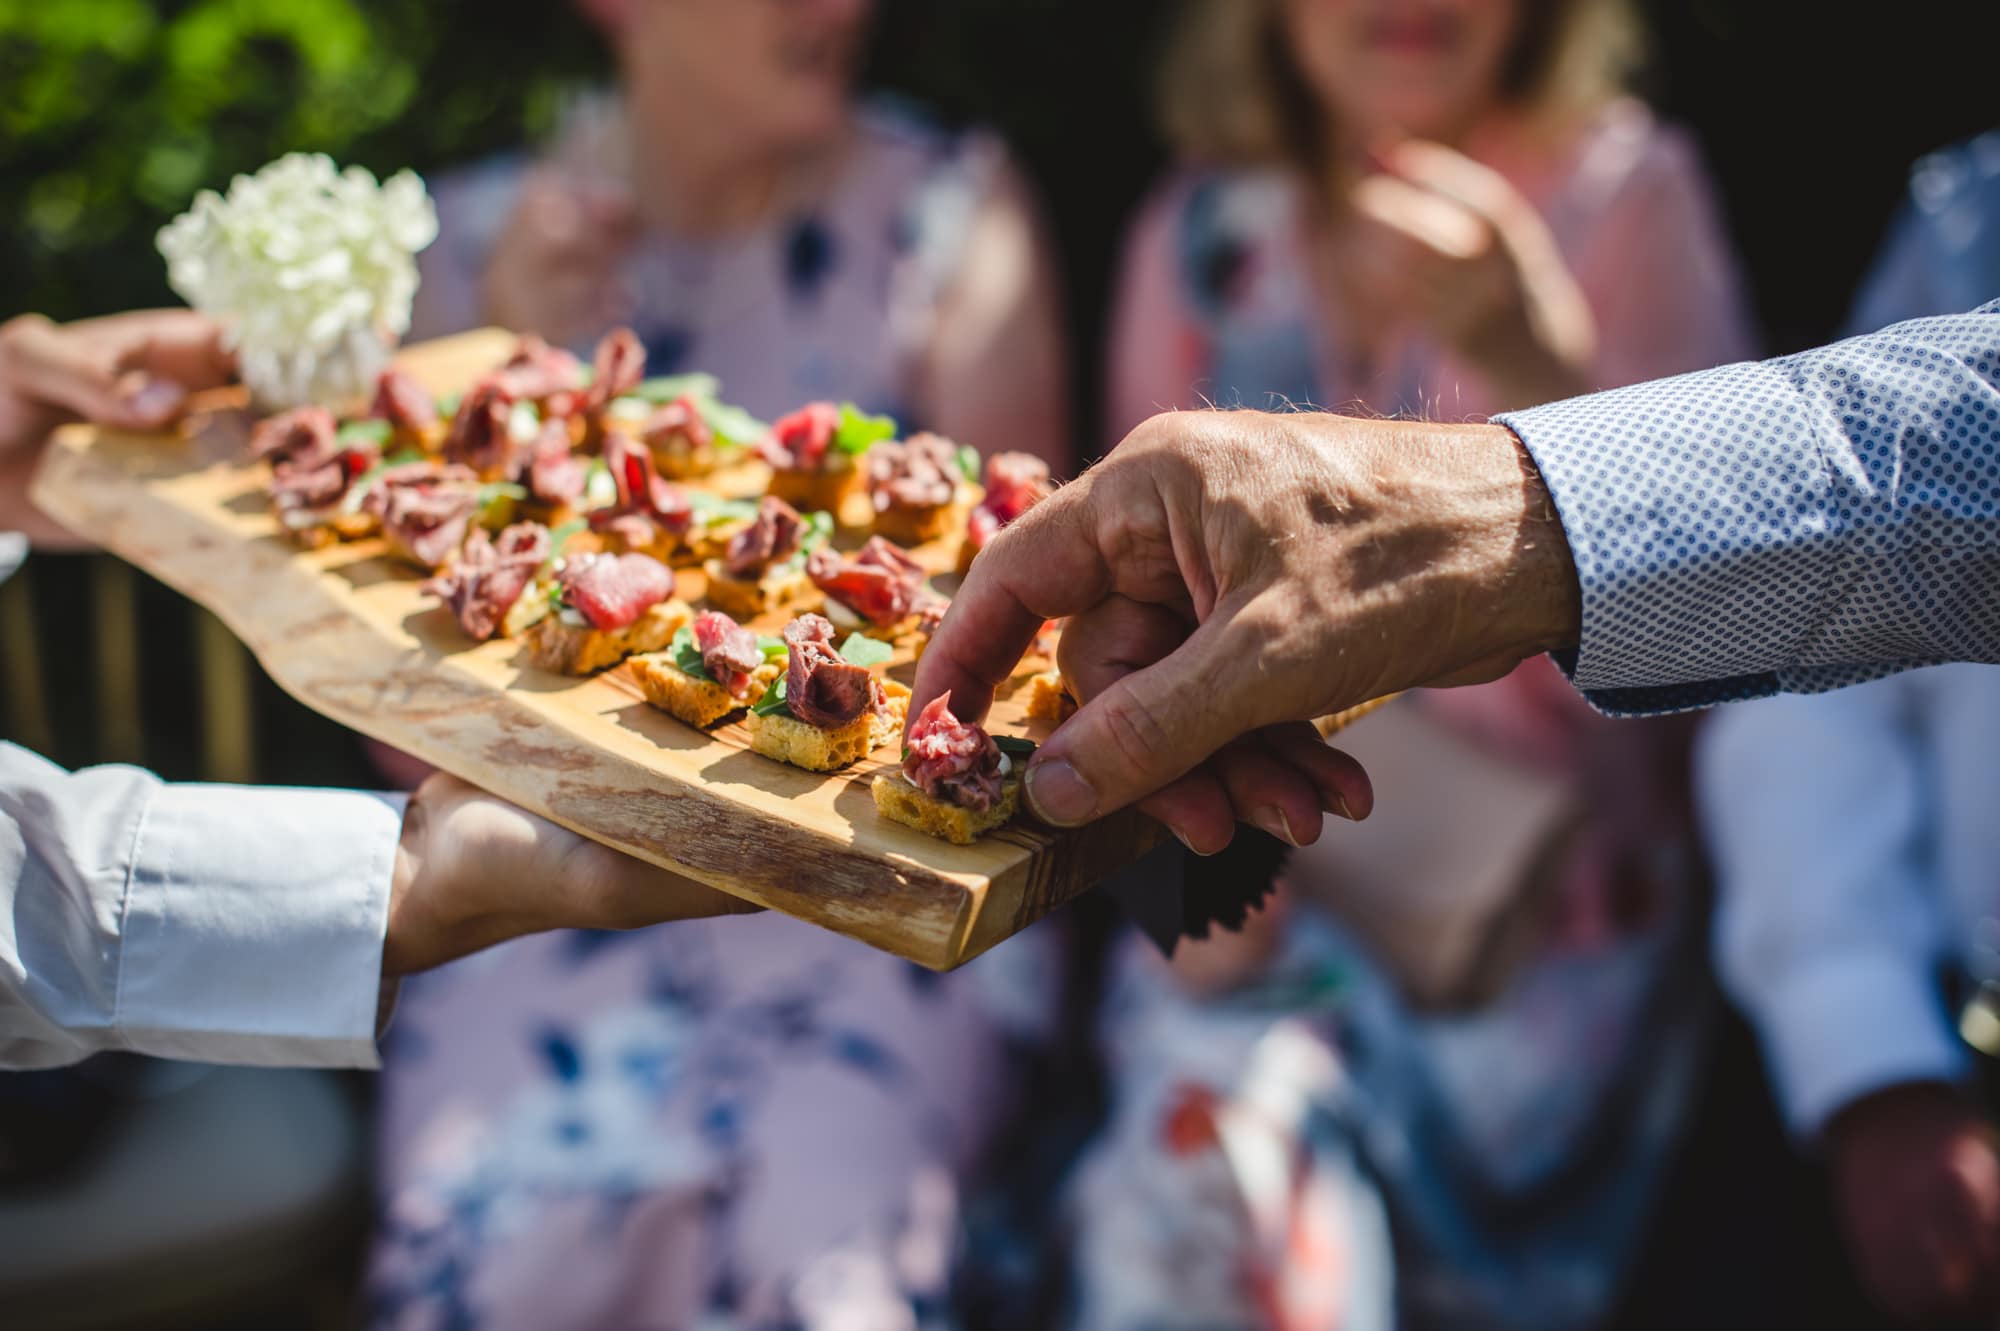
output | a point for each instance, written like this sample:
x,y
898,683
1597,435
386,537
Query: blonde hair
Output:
x,y
1231,93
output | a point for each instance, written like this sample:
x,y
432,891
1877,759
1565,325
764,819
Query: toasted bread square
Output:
x,y
554,645
915,524
787,739
746,598
900,802
1048,697
807,491
699,702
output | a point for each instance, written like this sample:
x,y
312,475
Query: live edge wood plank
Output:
x,y
347,632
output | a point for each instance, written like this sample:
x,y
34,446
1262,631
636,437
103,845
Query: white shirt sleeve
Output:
x,y
227,924
1829,926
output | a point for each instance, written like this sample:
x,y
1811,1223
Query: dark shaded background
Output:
x,y
112,112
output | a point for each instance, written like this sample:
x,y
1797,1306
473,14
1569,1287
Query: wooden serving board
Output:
x,y
347,631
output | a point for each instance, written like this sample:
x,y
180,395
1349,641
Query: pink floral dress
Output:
x,y
1512,1142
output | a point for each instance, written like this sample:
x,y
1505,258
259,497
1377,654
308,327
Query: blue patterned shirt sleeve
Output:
x,y
1793,525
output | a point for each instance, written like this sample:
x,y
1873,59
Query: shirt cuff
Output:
x,y
254,923
1850,1025
1696,514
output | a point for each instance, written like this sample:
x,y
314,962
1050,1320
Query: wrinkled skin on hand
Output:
x,y
1230,575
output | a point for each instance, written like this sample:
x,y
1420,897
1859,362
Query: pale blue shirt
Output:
x,y
1855,840
226,924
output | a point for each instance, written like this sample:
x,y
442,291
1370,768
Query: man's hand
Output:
x,y
128,370
473,870
1916,1181
1234,574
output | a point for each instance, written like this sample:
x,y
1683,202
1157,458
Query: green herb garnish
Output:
x,y
713,510
664,388
373,430
732,425
494,491
773,701
687,656
774,649
858,431
1014,746
560,537
862,650
968,462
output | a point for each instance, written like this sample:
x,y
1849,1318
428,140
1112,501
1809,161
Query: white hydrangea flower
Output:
x,y
311,268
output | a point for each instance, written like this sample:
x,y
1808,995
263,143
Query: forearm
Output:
x,y
218,923
1795,525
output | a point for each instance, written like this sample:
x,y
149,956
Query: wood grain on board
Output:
x,y
347,631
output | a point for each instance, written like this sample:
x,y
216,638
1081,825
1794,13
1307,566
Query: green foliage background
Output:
x,y
114,112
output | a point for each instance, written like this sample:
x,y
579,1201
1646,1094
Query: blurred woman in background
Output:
x,y
761,1126
1444,208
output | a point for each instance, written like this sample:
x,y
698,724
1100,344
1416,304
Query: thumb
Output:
x,y
1145,730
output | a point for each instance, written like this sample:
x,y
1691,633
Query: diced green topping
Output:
x,y
858,431
373,430
862,650
968,462
774,649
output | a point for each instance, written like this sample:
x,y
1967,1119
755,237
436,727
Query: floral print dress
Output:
x,y
735,1123
1513,1144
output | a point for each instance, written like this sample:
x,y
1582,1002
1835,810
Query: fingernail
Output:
x,y
1059,795
1337,803
1182,837
153,398
1272,819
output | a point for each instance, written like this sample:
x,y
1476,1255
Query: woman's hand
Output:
x,y
1232,575
133,371
554,268
1449,242
473,870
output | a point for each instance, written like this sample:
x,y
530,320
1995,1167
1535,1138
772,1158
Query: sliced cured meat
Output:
x,y
555,474
479,436
678,427
773,536
641,488
403,402
952,760
612,591
820,688
489,575
616,369
304,435
920,472
729,652
305,493
882,584
425,508
537,371
799,442
1015,483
